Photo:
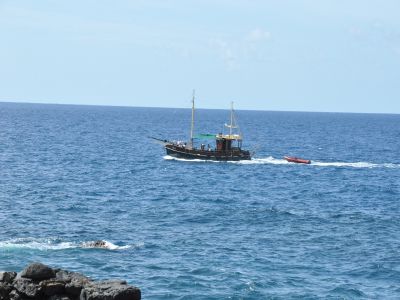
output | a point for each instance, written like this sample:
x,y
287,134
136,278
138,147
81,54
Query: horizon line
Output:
x,y
206,108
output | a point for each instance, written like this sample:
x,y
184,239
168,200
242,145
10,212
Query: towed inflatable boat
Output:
x,y
297,160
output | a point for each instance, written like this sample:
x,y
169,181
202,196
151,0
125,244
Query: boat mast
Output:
x,y
192,127
230,127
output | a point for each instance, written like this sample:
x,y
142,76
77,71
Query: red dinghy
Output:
x,y
297,160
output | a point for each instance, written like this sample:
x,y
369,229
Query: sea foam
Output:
x,y
56,244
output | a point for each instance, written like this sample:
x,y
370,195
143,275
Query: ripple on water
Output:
x,y
257,229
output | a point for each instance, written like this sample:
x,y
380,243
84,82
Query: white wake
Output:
x,y
280,161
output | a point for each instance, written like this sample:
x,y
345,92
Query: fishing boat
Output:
x,y
297,160
224,147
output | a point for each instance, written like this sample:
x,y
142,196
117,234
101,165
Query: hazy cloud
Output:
x,y
258,35
377,35
235,52
226,51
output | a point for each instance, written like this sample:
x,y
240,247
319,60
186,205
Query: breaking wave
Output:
x,y
104,245
277,161
56,244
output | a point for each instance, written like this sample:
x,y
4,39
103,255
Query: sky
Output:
x,y
299,55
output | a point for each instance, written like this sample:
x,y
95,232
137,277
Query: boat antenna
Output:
x,y
192,125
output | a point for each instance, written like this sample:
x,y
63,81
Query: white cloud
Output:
x,y
258,35
377,36
227,51
235,52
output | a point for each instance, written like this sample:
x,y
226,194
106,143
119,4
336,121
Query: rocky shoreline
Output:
x,y
38,281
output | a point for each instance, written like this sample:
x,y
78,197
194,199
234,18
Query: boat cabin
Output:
x,y
227,142
227,146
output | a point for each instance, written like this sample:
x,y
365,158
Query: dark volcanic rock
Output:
x,y
52,287
5,290
72,277
110,290
73,289
14,295
74,282
27,287
7,276
38,271
63,275
60,297
37,282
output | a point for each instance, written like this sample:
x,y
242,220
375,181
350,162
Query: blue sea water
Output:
x,y
259,229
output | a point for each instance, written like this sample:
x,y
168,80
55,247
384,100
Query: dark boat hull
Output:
x,y
182,152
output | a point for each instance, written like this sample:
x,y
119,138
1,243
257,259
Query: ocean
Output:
x,y
178,229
